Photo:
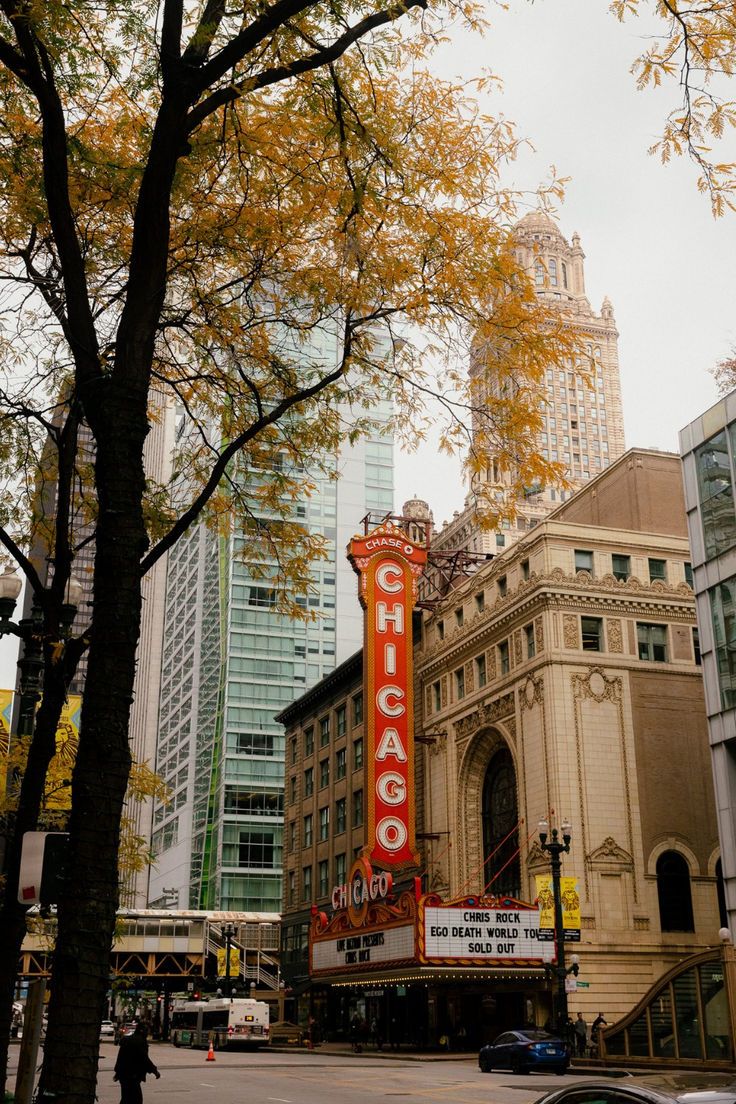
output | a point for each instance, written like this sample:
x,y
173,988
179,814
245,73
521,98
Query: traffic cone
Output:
x,y
210,1053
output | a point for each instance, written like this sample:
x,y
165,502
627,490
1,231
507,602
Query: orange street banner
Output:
x,y
6,709
389,565
58,780
570,897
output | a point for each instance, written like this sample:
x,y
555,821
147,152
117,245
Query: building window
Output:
x,y
502,584
358,709
436,697
459,616
583,560
308,782
340,720
621,567
500,823
308,741
341,763
340,869
307,883
652,641
716,495
657,569
357,808
324,731
308,821
723,615
721,893
441,630
292,790
531,649
292,835
696,648
524,565
591,629
673,891
500,540
553,271
480,601
292,743
324,877
340,817
480,671
357,754
292,886
324,822
460,683
503,657
324,773
689,575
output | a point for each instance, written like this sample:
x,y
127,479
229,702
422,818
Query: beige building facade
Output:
x,y
573,662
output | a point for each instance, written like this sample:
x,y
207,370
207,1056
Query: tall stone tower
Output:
x,y
583,425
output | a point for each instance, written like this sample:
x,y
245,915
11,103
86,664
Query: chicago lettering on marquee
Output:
x,y
389,565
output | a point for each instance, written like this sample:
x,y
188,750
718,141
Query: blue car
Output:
x,y
524,1051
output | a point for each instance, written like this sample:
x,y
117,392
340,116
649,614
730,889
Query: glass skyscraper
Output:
x,y
231,662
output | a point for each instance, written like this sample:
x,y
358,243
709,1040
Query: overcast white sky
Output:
x,y
650,241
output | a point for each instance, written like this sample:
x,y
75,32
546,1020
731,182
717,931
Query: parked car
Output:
x,y
523,1051
661,1088
107,1029
126,1029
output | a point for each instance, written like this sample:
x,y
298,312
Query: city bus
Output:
x,y
226,1023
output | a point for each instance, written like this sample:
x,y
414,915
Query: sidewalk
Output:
x,y
579,1066
405,1054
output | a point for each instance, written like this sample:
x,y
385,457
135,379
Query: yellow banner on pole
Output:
x,y
570,897
222,970
6,709
58,793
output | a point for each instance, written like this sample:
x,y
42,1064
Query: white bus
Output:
x,y
227,1023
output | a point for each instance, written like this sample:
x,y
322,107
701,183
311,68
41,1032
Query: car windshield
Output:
x,y
537,1035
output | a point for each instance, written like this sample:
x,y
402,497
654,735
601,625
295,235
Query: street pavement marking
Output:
x,y
279,1098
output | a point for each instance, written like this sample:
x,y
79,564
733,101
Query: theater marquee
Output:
x,y
389,565
367,932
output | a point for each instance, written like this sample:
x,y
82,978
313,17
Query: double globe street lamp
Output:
x,y
555,847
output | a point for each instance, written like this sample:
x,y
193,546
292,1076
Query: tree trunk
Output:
x,y
87,911
12,913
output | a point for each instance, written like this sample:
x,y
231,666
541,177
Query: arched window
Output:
x,y
673,890
500,814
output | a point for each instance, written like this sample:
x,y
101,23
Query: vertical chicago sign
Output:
x,y
389,565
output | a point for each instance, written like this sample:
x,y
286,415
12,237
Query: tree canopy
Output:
x,y
192,194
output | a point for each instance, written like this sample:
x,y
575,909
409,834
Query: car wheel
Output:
x,y
561,1070
485,1064
516,1066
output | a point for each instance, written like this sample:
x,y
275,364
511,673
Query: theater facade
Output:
x,y
561,680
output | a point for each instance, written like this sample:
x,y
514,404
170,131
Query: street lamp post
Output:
x,y
555,848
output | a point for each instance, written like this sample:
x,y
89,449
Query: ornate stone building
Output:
x,y
564,678
583,418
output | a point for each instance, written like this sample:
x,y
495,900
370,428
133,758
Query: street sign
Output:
x,y
583,985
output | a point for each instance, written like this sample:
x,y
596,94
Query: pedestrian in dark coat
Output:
x,y
132,1065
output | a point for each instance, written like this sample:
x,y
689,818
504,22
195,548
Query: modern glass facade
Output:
x,y
232,662
708,448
